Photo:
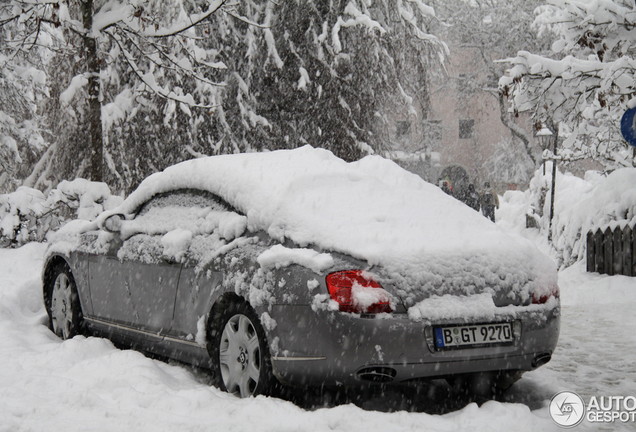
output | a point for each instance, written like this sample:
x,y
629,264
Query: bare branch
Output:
x,y
204,16
8,20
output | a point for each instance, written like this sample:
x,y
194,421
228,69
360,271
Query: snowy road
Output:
x,y
87,384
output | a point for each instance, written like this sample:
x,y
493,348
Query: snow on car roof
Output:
x,y
370,209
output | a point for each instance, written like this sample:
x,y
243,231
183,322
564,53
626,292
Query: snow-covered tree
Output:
x,y
588,84
310,72
326,73
509,163
151,41
244,76
22,87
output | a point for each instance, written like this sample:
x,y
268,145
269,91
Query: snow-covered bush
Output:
x,y
596,201
28,215
580,205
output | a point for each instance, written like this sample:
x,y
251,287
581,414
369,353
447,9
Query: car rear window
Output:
x,y
185,198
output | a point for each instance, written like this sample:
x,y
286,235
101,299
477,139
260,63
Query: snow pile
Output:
x,y
312,284
279,256
364,297
176,242
28,215
580,205
199,221
595,202
12,206
89,198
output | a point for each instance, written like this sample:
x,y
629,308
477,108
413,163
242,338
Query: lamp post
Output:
x,y
544,135
554,168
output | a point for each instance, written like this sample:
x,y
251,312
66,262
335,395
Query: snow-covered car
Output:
x,y
296,267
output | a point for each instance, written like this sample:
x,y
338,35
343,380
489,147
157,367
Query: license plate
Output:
x,y
478,334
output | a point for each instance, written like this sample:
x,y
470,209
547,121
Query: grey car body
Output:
x,y
130,292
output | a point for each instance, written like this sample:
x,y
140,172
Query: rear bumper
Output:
x,y
334,348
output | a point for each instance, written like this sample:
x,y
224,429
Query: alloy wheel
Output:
x,y
62,306
240,356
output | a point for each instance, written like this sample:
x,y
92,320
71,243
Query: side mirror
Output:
x,y
112,223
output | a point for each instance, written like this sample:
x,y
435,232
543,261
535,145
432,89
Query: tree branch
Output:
x,y
160,50
173,32
155,89
514,128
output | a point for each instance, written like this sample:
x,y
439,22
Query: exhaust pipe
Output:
x,y
376,374
541,359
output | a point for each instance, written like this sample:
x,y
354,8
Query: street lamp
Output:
x,y
545,136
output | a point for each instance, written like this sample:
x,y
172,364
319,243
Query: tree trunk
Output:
x,y
94,105
514,128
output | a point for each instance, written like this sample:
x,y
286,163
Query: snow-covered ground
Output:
x,y
88,384
596,354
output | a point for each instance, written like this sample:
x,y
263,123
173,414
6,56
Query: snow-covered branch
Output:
x,y
591,79
132,17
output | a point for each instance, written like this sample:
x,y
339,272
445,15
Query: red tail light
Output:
x,y
356,292
541,298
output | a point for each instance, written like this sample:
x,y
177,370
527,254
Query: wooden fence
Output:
x,y
612,252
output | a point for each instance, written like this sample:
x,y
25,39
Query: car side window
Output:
x,y
196,211
188,198
179,225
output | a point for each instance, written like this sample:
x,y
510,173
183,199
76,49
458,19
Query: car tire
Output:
x,y
238,348
62,302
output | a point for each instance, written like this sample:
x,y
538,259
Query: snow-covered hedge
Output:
x,y
581,205
28,215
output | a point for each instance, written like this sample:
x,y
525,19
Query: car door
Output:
x,y
133,293
152,289
134,284
110,294
182,226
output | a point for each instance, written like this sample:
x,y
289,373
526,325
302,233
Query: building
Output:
x,y
460,134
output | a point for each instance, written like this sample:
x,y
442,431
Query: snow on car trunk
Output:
x,y
413,234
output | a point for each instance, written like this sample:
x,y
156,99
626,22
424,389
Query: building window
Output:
x,y
466,81
403,129
462,80
492,82
466,129
434,130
